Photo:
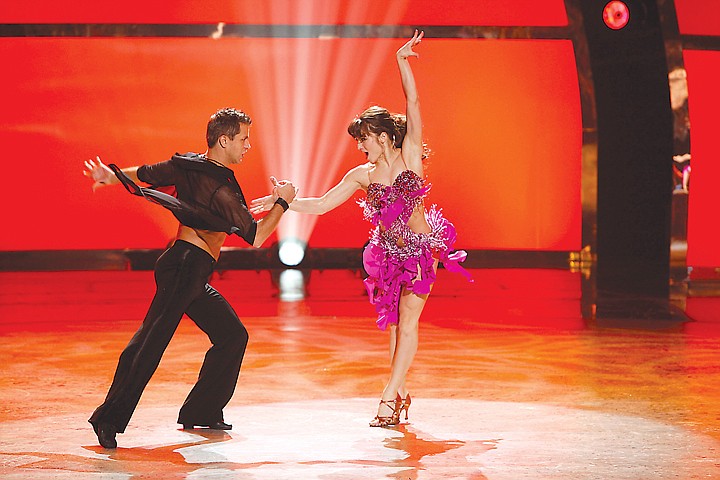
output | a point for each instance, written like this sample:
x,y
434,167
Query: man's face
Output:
x,y
239,144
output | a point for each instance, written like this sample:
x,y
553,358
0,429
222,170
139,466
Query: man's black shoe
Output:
x,y
106,435
212,426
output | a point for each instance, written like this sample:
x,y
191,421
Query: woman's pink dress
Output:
x,y
397,257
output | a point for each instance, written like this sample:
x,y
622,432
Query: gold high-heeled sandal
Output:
x,y
404,405
391,420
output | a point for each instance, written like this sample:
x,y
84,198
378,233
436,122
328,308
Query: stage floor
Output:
x,y
509,383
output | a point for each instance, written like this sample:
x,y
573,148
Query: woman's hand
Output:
x,y
407,50
99,172
262,204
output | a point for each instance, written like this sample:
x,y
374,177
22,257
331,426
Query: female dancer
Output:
x,y
402,255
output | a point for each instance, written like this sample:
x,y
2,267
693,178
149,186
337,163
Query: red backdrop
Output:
x,y
703,70
700,17
305,12
502,118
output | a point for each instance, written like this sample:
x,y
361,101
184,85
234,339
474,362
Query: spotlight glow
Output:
x,y
291,251
310,89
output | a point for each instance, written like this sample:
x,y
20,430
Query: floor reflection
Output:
x,y
143,462
420,446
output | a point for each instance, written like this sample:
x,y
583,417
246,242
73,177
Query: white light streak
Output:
x,y
316,87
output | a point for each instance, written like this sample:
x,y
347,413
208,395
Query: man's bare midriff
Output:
x,y
209,241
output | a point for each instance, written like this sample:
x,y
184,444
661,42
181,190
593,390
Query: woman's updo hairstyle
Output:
x,y
378,120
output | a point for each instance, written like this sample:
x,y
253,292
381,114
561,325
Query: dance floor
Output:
x,y
509,383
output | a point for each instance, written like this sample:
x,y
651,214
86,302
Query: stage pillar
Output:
x,y
635,147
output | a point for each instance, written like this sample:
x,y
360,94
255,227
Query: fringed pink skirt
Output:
x,y
411,267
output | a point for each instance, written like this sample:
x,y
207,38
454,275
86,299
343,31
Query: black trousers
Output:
x,y
181,275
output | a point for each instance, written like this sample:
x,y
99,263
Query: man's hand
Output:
x,y
99,172
282,188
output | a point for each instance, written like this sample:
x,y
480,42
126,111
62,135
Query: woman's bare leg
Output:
x,y
393,345
405,346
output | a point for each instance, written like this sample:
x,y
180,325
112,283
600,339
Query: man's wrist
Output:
x,y
281,201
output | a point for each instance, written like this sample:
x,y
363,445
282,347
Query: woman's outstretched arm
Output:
x,y
336,196
412,143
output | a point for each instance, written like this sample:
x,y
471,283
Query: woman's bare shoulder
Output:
x,y
360,174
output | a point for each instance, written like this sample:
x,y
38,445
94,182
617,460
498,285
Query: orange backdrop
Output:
x,y
502,118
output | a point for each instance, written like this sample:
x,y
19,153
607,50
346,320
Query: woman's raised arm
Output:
x,y
412,143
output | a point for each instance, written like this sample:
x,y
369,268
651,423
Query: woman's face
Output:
x,y
370,145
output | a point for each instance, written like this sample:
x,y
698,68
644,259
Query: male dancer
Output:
x,y
209,205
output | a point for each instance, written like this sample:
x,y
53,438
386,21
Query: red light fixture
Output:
x,y
616,14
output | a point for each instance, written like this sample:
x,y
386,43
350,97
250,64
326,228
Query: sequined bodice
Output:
x,y
405,193
389,207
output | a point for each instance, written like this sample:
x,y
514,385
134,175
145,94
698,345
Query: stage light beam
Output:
x,y
310,89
